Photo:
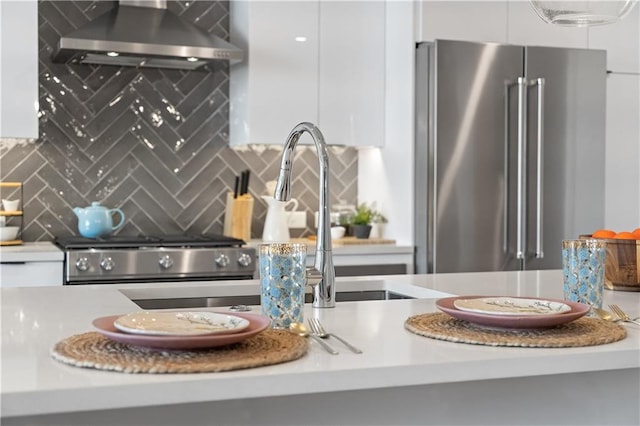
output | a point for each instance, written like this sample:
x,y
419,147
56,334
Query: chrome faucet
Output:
x,y
324,293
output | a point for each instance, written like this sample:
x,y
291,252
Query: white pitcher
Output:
x,y
276,228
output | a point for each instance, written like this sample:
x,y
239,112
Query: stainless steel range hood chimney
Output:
x,y
143,33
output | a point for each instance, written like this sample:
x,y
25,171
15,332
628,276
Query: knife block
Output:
x,y
237,216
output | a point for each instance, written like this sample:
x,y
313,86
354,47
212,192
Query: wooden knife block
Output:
x,y
237,216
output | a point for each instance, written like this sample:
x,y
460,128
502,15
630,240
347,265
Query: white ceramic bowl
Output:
x,y
10,205
9,233
337,232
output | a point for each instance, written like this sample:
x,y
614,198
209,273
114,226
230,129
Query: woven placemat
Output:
x,y
582,332
93,350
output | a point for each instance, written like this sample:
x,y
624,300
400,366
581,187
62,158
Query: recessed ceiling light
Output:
x,y
301,39
192,59
113,54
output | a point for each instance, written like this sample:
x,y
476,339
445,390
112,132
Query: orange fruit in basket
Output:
x,y
603,233
636,233
624,236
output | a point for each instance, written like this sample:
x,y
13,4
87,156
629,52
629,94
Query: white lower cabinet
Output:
x,y
31,265
31,274
370,261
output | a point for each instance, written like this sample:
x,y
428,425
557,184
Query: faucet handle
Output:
x,y
313,276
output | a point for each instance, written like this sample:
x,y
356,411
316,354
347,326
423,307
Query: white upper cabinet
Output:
x,y
621,41
507,21
19,69
275,87
315,61
462,20
527,28
352,72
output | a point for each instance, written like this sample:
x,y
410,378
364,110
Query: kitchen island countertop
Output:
x,y
399,379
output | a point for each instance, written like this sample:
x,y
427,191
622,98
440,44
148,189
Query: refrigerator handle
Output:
x,y
539,82
505,186
521,231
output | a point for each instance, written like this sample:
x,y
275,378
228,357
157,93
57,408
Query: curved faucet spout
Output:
x,y
324,294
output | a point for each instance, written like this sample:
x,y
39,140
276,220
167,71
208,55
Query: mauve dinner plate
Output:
x,y
578,310
257,323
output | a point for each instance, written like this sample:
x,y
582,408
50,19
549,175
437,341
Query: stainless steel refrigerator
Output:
x,y
509,154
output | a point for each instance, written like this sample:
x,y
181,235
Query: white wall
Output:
x,y
385,175
622,176
622,157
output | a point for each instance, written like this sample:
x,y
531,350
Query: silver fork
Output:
x,y
623,315
318,329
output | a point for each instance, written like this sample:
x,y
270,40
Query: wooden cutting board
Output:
x,y
354,241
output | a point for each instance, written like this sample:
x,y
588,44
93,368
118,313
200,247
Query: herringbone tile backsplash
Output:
x,y
149,141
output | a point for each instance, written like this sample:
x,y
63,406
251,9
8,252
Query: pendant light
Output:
x,y
582,13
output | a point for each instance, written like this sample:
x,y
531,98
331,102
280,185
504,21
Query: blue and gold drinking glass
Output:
x,y
583,267
282,282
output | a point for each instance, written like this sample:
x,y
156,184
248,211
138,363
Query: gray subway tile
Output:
x,y
90,147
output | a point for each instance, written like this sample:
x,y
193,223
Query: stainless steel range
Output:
x,y
147,259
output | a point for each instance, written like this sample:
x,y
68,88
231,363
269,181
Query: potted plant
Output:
x,y
364,216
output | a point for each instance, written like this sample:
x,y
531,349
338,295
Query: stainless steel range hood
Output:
x,y
143,33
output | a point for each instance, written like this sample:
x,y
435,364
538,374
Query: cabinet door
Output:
x,y
484,21
622,155
19,69
352,72
526,27
31,274
276,86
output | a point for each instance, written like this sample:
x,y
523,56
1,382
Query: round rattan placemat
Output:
x,y
581,332
93,350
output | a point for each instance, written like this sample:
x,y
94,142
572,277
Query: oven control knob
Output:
x,y
82,264
166,261
222,260
244,260
107,264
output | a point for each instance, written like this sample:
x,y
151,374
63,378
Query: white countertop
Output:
x,y
339,249
40,251
34,319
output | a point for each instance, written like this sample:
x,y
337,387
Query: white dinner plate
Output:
x,y
577,310
511,306
257,324
180,323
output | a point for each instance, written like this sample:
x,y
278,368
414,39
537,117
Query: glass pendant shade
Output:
x,y
582,13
